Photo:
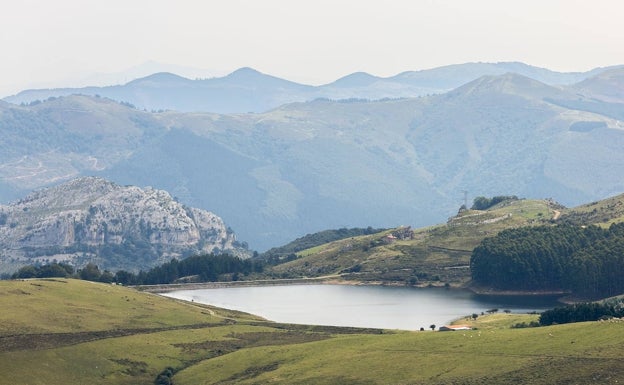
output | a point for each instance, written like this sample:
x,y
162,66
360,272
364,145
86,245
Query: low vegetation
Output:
x,y
199,268
62,331
603,213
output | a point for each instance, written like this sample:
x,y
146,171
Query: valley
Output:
x,y
312,192
99,333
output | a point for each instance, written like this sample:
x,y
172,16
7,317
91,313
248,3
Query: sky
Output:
x,y
78,42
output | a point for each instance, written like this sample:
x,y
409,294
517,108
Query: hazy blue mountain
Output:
x,y
452,76
247,90
356,79
607,86
309,166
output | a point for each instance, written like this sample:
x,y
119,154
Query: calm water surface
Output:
x,y
361,306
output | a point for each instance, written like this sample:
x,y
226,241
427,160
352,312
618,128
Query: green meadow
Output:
x,y
63,331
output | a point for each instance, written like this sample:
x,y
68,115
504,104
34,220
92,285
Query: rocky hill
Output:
x,y
93,220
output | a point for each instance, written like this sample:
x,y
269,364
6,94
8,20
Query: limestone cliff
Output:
x,y
93,220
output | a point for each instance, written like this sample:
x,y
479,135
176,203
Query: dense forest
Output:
x,y
199,268
586,261
582,312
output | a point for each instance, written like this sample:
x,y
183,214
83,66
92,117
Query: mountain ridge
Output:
x,y
306,166
237,92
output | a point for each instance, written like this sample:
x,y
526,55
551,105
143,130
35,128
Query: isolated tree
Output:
x,y
90,272
432,326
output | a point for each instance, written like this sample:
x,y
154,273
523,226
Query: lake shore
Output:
x,y
165,288
563,296
494,292
372,306
324,280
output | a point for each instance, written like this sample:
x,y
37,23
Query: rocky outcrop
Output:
x,y
94,220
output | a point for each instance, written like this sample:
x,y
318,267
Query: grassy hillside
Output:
x,y
61,331
75,332
563,354
438,254
603,212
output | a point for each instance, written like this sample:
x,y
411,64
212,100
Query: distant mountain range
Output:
x,y
247,90
308,166
93,220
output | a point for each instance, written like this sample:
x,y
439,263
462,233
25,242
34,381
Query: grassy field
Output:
x,y
77,332
436,255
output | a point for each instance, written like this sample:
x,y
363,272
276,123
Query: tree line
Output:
x,y
582,312
587,261
484,203
199,268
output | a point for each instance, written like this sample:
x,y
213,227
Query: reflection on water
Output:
x,y
361,306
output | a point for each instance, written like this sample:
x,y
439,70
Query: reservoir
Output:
x,y
361,306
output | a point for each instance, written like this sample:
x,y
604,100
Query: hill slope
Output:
x,y
94,220
67,331
439,254
435,255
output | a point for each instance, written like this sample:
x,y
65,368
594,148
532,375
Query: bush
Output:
x,y
483,203
521,325
165,377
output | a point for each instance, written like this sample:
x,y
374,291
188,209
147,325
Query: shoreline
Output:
x,y
513,293
337,280
324,280
332,280
165,288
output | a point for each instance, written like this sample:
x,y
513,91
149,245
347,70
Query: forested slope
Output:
x,y
586,261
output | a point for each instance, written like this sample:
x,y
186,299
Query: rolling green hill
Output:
x,y
77,332
438,255
602,213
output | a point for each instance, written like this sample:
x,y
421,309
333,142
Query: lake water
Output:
x,y
361,306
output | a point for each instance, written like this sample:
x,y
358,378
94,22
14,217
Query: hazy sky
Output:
x,y
59,42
